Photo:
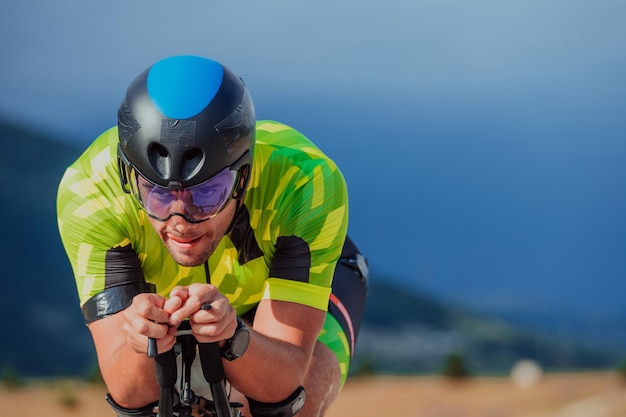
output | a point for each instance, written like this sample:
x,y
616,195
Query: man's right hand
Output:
x,y
121,342
146,318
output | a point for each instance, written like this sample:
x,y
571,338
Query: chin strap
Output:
x,y
235,215
240,196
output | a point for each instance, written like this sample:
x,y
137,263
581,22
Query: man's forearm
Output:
x,y
269,371
130,377
282,340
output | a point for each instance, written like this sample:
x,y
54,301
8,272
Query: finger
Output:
x,y
137,334
208,327
166,342
193,297
149,306
218,310
186,310
173,304
180,292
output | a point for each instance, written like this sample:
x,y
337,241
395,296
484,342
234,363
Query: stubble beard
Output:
x,y
189,260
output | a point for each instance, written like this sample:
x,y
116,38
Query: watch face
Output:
x,y
240,343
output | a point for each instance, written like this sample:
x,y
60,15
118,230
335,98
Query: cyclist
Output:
x,y
214,207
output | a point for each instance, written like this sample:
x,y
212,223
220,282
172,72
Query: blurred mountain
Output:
x,y
413,332
41,321
403,330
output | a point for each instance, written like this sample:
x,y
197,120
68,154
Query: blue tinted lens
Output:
x,y
195,204
210,197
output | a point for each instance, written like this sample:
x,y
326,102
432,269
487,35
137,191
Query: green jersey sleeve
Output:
x,y
89,209
304,214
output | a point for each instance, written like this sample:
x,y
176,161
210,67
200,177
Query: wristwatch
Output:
x,y
236,346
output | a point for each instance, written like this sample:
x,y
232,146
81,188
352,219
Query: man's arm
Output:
x,y
121,346
281,346
281,340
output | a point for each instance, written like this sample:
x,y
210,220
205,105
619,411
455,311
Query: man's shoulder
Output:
x,y
273,133
276,140
286,160
101,151
265,127
94,174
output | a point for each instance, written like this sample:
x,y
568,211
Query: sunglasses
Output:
x,y
195,204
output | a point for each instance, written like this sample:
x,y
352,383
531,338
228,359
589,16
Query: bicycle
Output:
x,y
184,402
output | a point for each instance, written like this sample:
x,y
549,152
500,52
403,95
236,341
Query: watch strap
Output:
x,y
227,349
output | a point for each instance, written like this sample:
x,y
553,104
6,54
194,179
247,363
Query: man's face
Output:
x,y
191,244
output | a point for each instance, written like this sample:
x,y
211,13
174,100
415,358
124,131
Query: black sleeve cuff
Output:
x,y
113,300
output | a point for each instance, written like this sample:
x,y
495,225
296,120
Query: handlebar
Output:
x,y
166,378
212,369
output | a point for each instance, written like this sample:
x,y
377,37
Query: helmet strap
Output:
x,y
238,210
122,170
242,183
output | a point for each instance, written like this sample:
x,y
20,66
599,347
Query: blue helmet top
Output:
x,y
183,120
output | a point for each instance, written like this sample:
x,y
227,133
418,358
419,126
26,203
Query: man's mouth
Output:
x,y
180,240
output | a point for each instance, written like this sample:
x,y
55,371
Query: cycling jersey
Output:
x,y
283,244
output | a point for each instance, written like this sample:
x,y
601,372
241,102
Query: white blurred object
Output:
x,y
526,373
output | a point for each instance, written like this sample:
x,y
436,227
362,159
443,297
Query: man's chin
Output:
x,y
192,256
189,263
188,260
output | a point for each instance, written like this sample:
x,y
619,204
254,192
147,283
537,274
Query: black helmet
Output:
x,y
183,120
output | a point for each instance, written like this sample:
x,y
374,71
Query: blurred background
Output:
x,y
482,142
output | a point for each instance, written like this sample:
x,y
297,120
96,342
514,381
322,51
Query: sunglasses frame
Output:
x,y
127,171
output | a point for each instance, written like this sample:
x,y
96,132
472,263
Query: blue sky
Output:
x,y
483,142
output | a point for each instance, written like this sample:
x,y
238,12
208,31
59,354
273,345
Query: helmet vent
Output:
x,y
192,161
160,160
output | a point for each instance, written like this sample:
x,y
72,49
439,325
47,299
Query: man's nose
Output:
x,y
181,207
179,222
